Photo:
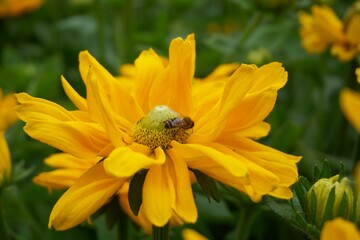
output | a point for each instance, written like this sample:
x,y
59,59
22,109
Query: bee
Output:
x,y
179,122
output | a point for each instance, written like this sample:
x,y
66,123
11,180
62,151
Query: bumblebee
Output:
x,y
179,122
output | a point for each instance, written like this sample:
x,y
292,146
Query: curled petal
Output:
x,y
185,206
125,162
84,140
158,195
88,194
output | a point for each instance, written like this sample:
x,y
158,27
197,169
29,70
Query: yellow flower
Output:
x,y
323,29
13,8
161,129
7,117
190,234
339,229
350,105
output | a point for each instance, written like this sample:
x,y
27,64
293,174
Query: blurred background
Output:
x,y
41,43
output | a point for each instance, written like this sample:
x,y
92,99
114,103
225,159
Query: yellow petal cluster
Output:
x,y
228,110
7,117
13,8
322,29
339,229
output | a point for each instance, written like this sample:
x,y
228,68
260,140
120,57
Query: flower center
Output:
x,y
160,126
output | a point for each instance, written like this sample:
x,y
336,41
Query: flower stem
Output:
x,y
245,220
160,233
4,232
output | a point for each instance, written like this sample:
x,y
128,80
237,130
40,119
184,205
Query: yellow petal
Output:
x,y
59,178
117,126
189,234
158,195
32,108
173,88
282,193
234,92
350,105
7,113
113,94
75,98
149,67
84,140
339,229
185,206
255,132
252,110
64,160
269,76
206,158
358,74
222,72
5,161
353,29
88,194
125,162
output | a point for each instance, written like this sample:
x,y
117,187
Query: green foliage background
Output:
x,y
35,49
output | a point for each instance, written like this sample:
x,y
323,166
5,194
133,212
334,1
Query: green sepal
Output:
x,y
208,186
329,207
341,171
135,191
301,187
323,173
312,207
343,207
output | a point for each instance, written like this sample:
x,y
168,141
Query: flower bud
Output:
x,y
328,199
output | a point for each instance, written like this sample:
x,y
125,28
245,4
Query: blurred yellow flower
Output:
x,y
13,8
159,128
339,229
357,72
323,29
350,105
7,117
190,234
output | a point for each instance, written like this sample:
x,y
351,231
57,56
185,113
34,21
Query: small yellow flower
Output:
x,y
350,105
13,8
164,127
339,229
323,29
7,117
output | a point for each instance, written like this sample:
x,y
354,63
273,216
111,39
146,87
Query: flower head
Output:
x,y
323,29
158,130
7,117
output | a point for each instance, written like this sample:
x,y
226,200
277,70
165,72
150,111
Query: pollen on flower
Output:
x,y
161,126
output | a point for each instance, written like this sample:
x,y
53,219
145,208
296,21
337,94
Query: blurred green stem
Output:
x,y
160,233
245,220
4,232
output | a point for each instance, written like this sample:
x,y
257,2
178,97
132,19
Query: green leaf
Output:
x,y
135,191
301,188
341,171
208,185
313,207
